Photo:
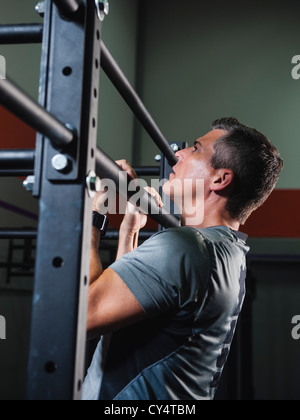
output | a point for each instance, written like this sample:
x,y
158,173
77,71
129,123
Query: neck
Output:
x,y
210,222
208,216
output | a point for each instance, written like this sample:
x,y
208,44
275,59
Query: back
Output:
x,y
191,283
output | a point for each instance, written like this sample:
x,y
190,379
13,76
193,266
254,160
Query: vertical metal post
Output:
x,y
165,171
69,89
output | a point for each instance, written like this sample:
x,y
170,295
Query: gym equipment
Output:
x,y
65,161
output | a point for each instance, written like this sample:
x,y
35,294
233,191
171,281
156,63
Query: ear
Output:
x,y
222,179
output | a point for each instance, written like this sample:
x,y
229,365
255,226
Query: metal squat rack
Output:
x,y
65,163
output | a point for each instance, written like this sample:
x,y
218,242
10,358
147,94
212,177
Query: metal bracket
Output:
x,y
102,7
165,171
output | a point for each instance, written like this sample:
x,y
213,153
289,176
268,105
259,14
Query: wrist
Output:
x,y
127,230
100,222
96,236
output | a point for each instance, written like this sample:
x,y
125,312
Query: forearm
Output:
x,y
96,268
128,242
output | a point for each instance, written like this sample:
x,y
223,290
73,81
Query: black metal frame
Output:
x,y
21,34
9,33
17,162
58,329
16,101
56,356
21,163
66,122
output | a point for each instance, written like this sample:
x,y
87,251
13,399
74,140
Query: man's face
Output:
x,y
193,164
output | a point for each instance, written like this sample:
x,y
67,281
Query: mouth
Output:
x,y
173,172
173,169
172,175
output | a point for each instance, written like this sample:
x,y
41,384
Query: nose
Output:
x,y
180,154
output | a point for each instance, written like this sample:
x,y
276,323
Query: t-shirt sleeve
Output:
x,y
168,272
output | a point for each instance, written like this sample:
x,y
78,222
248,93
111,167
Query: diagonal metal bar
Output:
x,y
106,168
24,33
68,8
25,108
135,103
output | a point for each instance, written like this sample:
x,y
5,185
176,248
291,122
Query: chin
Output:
x,y
170,191
166,188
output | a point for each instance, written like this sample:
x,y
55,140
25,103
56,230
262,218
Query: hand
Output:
x,y
106,194
134,220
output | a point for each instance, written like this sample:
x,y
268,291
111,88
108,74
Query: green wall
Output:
x,y
116,121
193,62
205,60
116,125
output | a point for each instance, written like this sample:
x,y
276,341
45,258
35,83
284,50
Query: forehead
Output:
x,y
212,136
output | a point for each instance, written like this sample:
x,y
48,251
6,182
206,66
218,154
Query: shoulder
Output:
x,y
186,245
179,237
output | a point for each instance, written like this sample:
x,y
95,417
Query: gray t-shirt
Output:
x,y
191,284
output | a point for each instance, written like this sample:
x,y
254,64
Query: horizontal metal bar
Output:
x,y
20,162
16,162
21,34
25,108
13,233
15,291
25,266
9,34
273,259
114,234
17,159
147,170
132,99
8,173
106,168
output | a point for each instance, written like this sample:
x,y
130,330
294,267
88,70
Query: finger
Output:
x,y
155,194
127,168
131,209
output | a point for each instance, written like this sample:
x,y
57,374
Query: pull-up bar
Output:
x,y
25,108
9,34
20,162
107,168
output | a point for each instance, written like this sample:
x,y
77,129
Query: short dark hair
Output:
x,y
255,162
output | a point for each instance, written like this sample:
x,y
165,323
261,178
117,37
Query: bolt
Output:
x,y
40,8
157,158
174,147
60,162
93,184
29,183
102,7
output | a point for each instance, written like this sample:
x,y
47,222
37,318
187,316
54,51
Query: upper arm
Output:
x,y
111,304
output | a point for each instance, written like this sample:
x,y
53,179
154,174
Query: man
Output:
x,y
168,309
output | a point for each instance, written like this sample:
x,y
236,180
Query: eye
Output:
x,y
195,148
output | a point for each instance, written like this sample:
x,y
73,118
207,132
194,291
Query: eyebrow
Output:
x,y
198,142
